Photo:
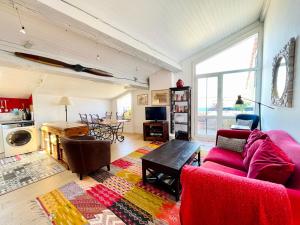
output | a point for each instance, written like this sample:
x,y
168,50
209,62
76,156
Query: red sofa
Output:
x,y
219,192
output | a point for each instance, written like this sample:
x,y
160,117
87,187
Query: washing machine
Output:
x,y
19,139
1,143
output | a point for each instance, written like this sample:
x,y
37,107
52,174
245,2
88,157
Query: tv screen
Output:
x,y
156,113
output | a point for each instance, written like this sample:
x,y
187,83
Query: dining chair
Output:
x,y
84,120
108,115
119,117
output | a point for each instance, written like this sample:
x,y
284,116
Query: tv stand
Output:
x,y
156,131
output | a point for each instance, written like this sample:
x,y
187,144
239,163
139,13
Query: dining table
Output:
x,y
113,129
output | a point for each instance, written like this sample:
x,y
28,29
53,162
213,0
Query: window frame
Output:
x,y
221,46
131,103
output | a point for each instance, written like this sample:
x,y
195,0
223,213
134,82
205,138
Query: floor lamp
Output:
x,y
65,101
240,101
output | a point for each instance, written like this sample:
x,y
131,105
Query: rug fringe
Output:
x,y
37,209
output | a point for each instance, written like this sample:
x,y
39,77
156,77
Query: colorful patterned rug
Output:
x,y
114,197
20,171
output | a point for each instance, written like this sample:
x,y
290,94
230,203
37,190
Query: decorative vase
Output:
x,y
179,83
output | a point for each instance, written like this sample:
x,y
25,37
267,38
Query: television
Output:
x,y
156,113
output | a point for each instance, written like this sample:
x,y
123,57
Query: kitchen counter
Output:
x,y
52,132
63,125
15,121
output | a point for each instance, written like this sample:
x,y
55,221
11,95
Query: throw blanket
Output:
x,y
212,197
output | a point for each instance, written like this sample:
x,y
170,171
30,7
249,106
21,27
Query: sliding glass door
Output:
x,y
207,114
216,99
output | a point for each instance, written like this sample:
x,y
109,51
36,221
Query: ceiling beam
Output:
x,y
91,21
264,10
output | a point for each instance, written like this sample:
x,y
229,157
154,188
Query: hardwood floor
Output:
x,y
19,207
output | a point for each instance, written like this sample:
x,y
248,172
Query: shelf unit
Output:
x,y
180,107
156,131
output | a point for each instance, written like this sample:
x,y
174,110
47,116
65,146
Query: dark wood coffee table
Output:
x,y
164,164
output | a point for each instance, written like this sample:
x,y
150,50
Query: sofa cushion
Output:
x,y
284,141
270,163
250,152
222,168
254,135
233,144
226,158
247,123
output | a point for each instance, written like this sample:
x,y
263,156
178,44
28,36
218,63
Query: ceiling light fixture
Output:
x,y
97,49
22,30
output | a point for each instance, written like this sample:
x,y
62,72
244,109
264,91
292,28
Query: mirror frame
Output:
x,y
288,53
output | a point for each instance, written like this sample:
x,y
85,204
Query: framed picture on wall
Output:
x,y
142,99
160,97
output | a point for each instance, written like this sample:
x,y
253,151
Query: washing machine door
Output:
x,y
18,138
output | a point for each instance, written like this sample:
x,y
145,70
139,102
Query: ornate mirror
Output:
x,y
283,75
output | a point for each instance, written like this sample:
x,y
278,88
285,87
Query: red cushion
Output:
x,y
226,169
250,152
270,163
255,135
292,149
226,158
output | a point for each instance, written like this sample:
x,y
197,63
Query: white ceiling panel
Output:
x,y
178,28
59,41
21,83
175,28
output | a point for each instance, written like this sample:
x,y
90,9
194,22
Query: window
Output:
x,y
240,56
124,106
220,79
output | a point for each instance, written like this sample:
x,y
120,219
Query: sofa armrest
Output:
x,y
239,134
294,196
212,197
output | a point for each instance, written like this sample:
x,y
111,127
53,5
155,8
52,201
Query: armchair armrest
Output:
x,y
212,197
239,134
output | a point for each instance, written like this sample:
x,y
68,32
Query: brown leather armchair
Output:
x,y
85,154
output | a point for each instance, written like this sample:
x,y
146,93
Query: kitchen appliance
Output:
x,y
19,138
1,143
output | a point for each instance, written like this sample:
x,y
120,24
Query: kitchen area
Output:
x,y
18,133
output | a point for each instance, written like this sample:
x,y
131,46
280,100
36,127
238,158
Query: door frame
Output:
x,y
219,116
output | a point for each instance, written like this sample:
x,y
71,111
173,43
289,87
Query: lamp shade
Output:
x,y
64,101
239,100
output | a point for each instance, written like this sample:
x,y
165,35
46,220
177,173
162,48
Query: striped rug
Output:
x,y
114,197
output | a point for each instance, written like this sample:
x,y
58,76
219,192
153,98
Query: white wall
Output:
x,y
139,110
159,81
282,22
46,108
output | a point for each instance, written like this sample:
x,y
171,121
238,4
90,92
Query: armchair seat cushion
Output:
x,y
226,158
